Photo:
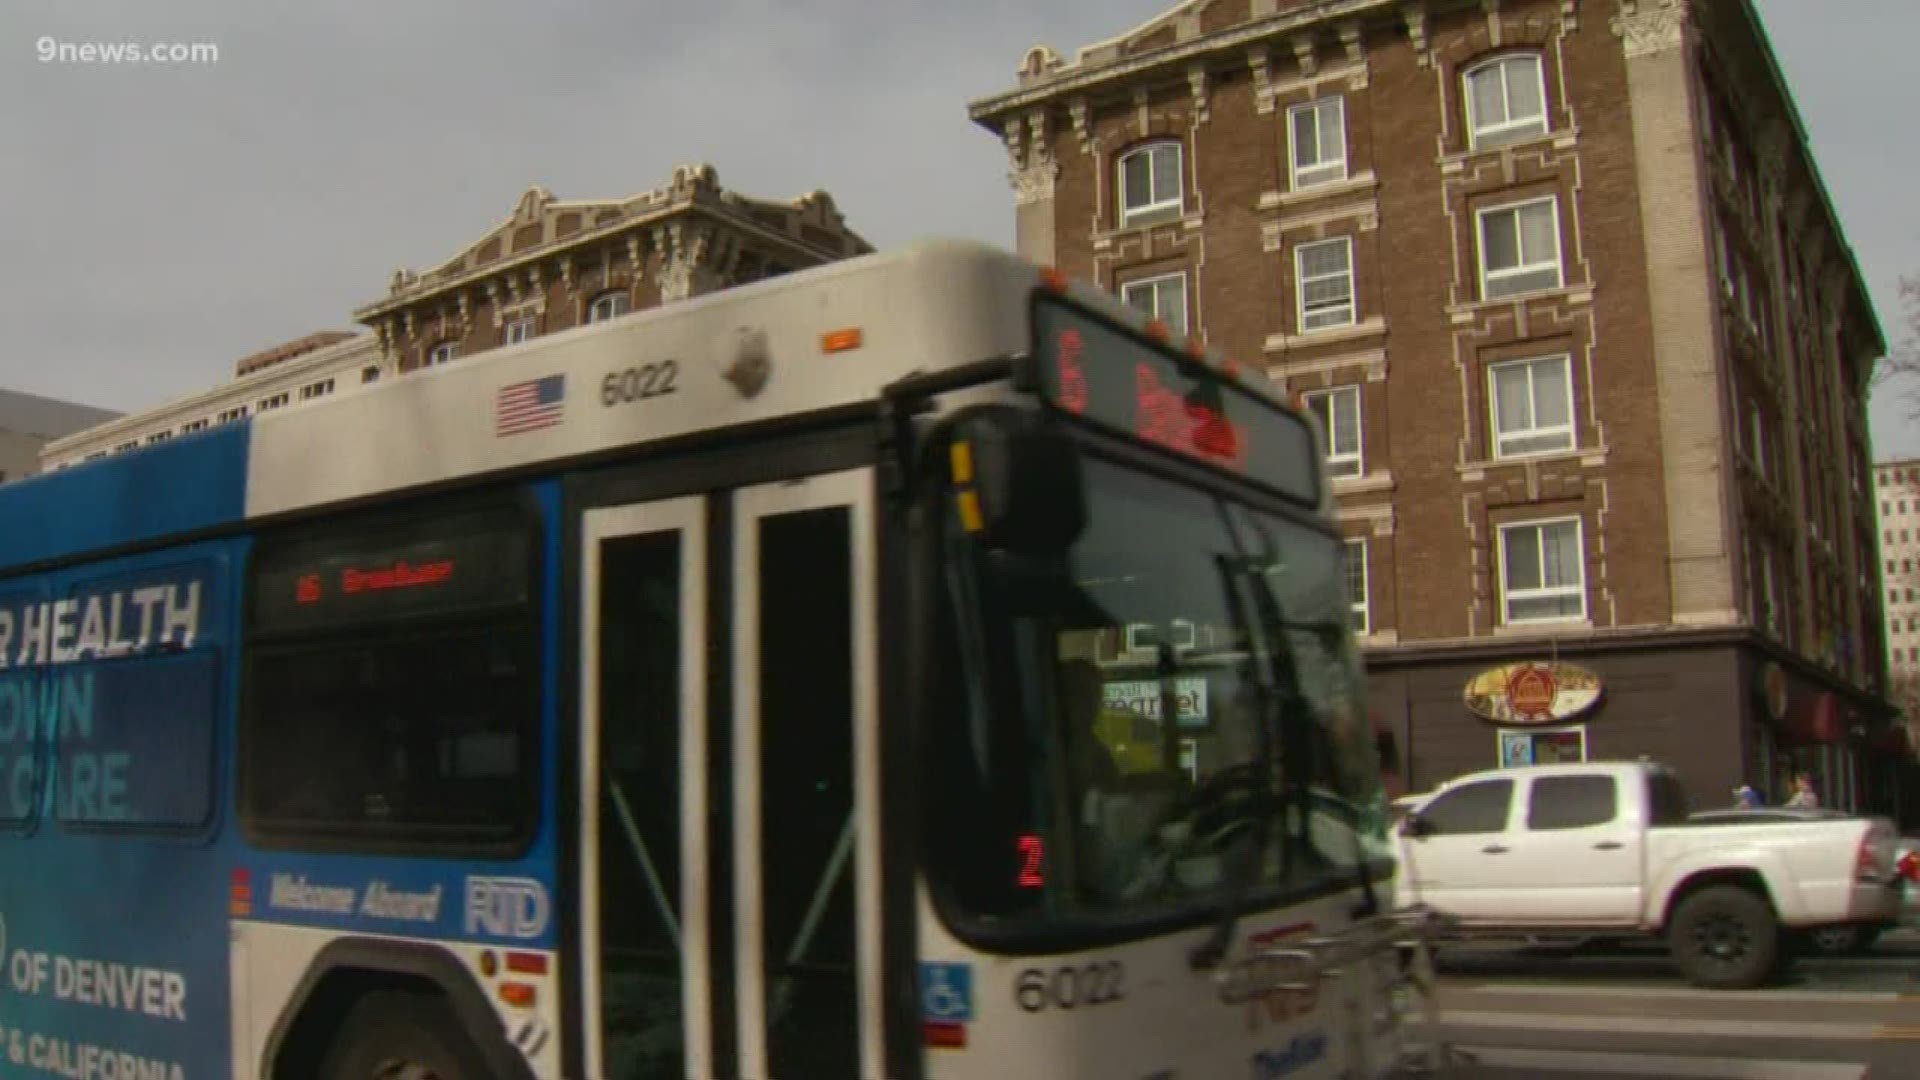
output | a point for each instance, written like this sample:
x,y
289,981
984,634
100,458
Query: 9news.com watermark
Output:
x,y
52,50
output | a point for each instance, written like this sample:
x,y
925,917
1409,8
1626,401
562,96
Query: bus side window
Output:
x,y
391,689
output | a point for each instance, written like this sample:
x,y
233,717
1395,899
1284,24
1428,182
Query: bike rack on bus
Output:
x,y
1301,966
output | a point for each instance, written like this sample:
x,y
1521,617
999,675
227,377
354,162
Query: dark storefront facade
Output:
x,y
1721,707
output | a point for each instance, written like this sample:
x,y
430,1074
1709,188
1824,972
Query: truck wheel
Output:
x,y
394,1035
1725,938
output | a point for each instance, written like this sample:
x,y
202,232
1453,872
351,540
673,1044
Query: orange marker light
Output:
x,y
841,340
960,456
1159,331
488,964
970,517
518,995
1054,280
1196,349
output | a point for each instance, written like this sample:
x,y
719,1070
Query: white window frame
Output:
x,y
441,354
1488,275
1364,608
1159,204
1300,285
1150,287
518,330
1536,431
1330,171
1341,464
1508,595
1508,130
610,298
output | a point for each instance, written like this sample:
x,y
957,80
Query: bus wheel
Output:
x,y
394,1035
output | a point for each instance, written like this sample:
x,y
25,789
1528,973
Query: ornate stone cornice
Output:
x,y
1646,27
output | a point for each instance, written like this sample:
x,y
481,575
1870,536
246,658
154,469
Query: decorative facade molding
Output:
x,y
1303,51
1197,84
1646,27
1260,63
1415,16
1081,113
1034,183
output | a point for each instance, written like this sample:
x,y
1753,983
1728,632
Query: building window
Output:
x,y
608,305
1317,138
1532,406
441,354
370,373
1339,413
131,444
1767,590
1357,585
1542,571
238,412
273,402
1150,183
1506,101
1324,271
159,437
519,330
316,390
1519,248
1163,298
193,426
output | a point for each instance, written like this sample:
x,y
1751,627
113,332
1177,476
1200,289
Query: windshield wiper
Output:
x,y
1215,947
1296,728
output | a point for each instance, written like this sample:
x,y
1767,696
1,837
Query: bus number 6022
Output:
x,y
1070,987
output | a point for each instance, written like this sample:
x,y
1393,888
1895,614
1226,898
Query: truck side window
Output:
x,y
1571,802
1474,808
1667,799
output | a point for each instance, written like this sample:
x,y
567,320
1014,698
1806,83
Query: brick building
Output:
x,y
1590,349
549,266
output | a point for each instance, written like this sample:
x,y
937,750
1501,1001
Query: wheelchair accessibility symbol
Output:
x,y
946,993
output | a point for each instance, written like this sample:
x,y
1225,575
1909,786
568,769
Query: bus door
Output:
x,y
729,891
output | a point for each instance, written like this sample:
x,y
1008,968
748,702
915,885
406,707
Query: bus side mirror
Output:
x,y
1023,476
1414,826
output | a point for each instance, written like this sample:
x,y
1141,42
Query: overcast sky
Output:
x,y
158,223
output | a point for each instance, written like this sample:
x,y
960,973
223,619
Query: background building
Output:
x,y
1591,353
549,266
1897,485
28,423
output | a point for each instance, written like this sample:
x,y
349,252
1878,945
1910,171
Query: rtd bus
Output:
x,y
917,666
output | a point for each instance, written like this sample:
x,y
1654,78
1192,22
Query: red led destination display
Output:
x,y
461,564
1132,386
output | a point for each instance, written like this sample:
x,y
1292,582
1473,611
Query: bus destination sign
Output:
x,y
1130,385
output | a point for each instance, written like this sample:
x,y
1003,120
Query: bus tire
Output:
x,y
399,1035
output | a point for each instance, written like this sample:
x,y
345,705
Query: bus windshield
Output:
x,y
1162,718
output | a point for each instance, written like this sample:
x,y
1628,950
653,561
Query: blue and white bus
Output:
x,y
917,666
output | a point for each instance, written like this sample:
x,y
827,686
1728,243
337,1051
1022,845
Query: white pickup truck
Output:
x,y
1605,848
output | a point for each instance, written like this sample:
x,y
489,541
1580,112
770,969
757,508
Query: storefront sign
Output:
x,y
1531,692
1143,698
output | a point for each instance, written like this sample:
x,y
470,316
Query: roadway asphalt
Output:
x,y
1560,1016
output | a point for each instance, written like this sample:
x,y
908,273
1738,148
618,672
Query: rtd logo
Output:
x,y
507,907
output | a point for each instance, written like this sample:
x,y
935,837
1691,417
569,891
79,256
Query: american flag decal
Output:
x,y
530,405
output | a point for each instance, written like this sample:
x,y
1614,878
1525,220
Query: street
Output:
x,y
1626,1013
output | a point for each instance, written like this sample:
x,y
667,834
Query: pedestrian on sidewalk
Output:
x,y
1804,797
